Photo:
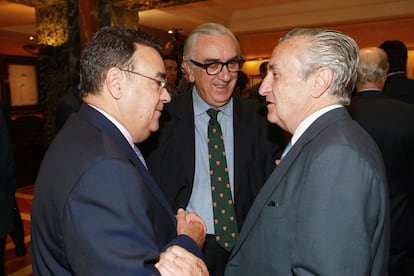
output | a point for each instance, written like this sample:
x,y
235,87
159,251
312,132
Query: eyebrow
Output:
x,y
212,60
272,66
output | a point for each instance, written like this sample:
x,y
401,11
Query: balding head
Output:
x,y
372,68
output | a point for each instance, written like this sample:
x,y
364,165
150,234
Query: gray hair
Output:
x,y
332,49
373,65
207,29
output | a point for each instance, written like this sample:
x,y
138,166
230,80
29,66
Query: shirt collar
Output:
x,y
200,106
369,89
303,126
396,73
121,128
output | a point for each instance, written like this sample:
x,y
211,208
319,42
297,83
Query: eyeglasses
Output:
x,y
214,68
162,83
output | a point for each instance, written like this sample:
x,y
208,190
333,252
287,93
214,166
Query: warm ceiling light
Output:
x,y
31,38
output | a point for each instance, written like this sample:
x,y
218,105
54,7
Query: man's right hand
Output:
x,y
192,225
176,261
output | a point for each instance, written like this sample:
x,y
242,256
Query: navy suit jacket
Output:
x,y
324,209
391,125
96,209
171,154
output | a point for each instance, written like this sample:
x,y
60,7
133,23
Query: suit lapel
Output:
x,y
101,122
242,137
183,131
279,172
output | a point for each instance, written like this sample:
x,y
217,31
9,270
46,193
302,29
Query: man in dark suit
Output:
x,y
398,85
10,220
254,90
324,209
7,188
96,209
391,124
180,162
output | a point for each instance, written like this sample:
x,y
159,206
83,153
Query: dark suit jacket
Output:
x,y
400,87
7,179
391,124
172,162
324,209
96,210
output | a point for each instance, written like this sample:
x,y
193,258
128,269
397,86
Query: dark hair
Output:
x,y
242,81
397,55
171,57
111,46
263,67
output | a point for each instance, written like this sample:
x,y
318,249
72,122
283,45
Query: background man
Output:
x,y
180,161
10,220
254,90
391,123
398,85
171,73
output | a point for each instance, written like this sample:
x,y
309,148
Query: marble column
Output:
x,y
63,29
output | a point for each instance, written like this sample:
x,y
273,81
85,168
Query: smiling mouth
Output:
x,y
221,85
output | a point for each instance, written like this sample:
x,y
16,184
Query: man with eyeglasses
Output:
x,y
178,155
96,209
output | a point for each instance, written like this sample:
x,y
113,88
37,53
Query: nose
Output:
x,y
225,74
266,86
165,97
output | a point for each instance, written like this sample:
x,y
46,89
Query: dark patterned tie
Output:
x,y
225,225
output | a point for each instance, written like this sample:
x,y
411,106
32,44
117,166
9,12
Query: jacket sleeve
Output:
x,y
114,225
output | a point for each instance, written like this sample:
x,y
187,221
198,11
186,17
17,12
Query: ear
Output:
x,y
113,82
189,71
386,72
322,81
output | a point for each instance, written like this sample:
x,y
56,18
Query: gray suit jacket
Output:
x,y
324,209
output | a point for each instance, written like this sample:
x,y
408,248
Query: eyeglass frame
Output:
x,y
205,66
161,83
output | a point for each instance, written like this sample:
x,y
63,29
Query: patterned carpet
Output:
x,y
21,266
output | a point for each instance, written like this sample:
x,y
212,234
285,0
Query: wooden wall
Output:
x,y
366,34
14,48
260,45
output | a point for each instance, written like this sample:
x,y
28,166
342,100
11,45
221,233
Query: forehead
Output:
x,y
215,46
148,59
170,62
287,52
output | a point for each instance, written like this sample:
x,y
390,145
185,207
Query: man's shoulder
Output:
x,y
399,80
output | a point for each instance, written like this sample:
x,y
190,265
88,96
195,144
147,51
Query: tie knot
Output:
x,y
213,113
